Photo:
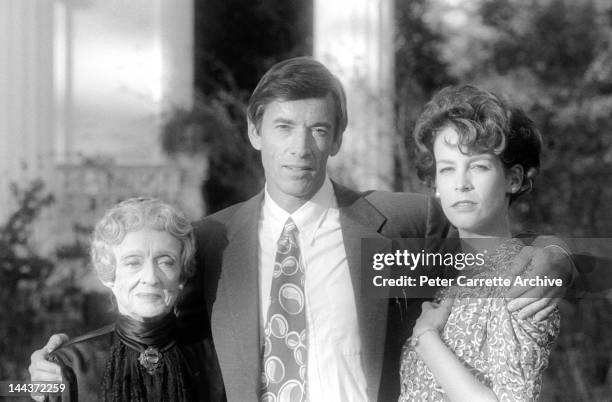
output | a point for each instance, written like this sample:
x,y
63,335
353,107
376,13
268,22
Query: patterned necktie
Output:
x,y
285,353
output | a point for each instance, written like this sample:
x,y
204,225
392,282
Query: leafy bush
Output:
x,y
34,303
22,273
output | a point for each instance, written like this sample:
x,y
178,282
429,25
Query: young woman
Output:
x,y
480,154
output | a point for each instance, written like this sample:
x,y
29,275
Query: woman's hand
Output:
x,y
433,317
43,370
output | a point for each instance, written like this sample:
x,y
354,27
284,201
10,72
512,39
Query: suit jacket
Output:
x,y
225,292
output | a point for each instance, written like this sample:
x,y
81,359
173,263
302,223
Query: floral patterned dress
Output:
x,y
504,352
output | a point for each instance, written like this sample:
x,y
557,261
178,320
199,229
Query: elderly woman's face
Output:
x,y
147,275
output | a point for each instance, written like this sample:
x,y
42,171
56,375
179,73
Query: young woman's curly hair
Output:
x,y
484,123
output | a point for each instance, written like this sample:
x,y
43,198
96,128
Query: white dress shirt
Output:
x,y
335,370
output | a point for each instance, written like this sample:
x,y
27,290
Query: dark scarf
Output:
x,y
145,364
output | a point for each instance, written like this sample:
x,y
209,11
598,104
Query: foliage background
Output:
x,y
552,57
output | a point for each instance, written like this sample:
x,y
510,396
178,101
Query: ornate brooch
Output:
x,y
150,359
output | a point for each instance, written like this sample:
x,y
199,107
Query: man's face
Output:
x,y
295,139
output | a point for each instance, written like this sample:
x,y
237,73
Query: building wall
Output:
x,y
84,89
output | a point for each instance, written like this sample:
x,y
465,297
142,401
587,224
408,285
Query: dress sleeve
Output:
x,y
518,350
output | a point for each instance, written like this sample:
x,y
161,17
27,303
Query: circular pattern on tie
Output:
x,y
267,347
274,369
284,245
291,391
292,340
267,330
291,298
285,352
268,397
299,353
278,326
264,379
290,266
277,270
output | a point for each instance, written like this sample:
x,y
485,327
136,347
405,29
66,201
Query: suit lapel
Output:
x,y
361,220
235,314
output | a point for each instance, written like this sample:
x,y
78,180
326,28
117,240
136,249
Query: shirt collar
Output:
x,y
308,218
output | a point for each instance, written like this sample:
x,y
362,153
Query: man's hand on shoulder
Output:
x,y
538,302
40,368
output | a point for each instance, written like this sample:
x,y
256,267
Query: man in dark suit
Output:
x,y
297,116
278,290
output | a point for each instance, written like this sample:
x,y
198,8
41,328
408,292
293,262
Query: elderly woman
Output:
x,y
142,250
480,154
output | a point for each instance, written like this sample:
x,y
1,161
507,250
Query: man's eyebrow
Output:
x,y
283,120
322,124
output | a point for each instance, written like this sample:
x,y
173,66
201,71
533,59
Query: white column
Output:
x,y
26,94
354,39
175,33
175,30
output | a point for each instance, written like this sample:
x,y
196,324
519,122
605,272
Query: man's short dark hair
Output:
x,y
296,79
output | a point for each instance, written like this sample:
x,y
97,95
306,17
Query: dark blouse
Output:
x,y
111,362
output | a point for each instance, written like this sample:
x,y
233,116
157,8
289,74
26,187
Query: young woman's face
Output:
x,y
473,188
147,275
